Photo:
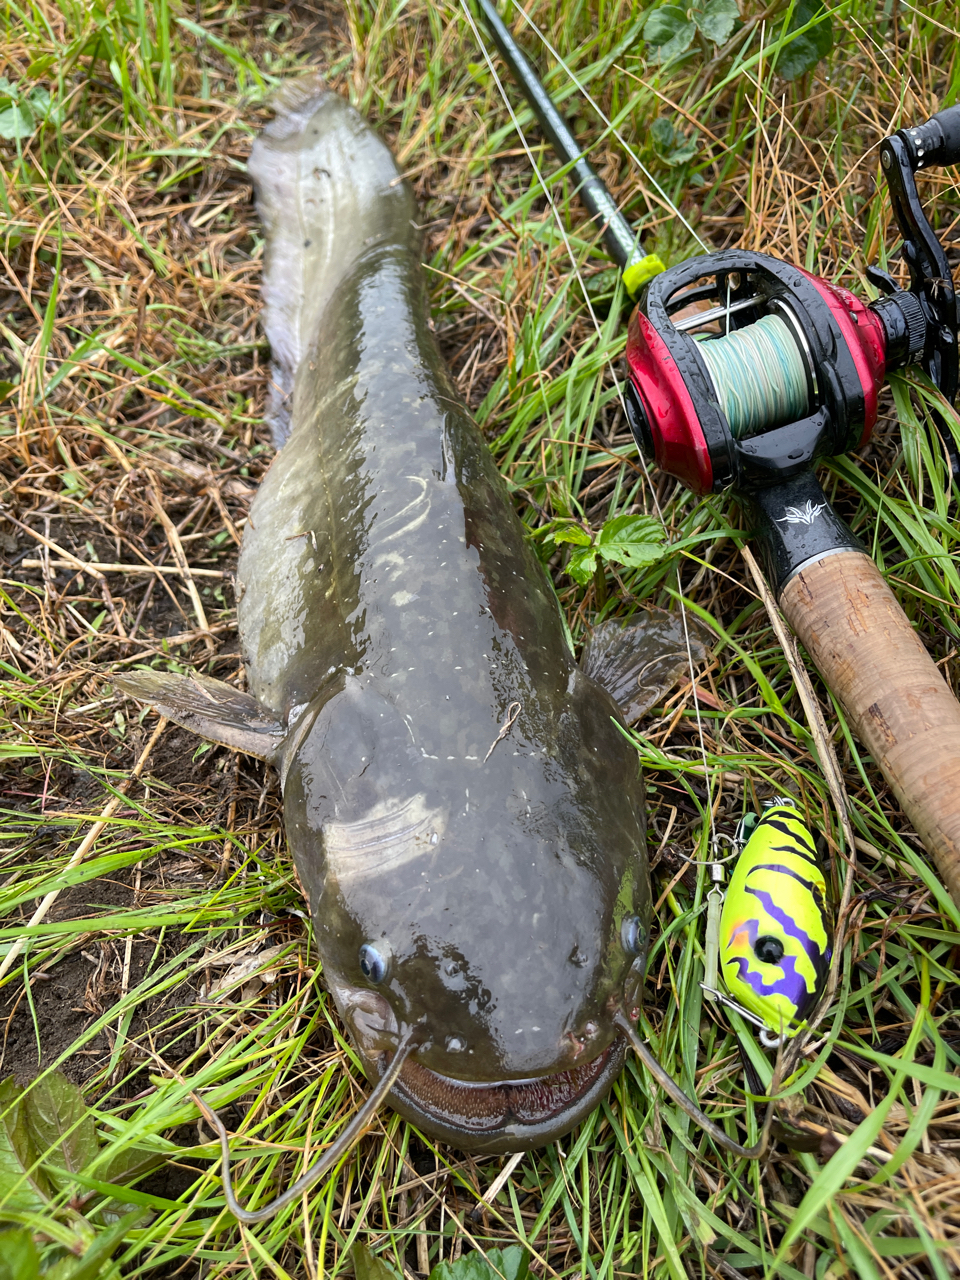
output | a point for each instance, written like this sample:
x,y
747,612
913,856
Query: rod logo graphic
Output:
x,y
802,515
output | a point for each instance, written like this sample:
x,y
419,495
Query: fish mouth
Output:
x,y
506,1115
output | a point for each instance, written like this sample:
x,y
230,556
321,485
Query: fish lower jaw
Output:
x,y
509,1115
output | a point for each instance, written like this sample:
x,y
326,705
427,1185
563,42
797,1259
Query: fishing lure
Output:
x,y
775,935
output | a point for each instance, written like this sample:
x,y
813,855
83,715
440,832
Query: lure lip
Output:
x,y
550,1105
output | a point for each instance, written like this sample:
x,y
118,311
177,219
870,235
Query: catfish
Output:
x,y
465,814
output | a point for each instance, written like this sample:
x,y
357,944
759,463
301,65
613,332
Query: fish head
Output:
x,y
498,904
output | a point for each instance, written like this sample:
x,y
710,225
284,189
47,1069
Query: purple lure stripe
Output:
x,y
787,923
792,985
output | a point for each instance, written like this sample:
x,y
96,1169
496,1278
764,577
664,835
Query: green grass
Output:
x,y
135,366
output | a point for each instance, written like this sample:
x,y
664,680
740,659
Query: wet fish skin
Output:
x,y
457,792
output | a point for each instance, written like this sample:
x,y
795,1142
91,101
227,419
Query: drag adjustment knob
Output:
x,y
905,326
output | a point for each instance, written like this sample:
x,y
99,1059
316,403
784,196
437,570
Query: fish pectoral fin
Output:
x,y
639,662
210,708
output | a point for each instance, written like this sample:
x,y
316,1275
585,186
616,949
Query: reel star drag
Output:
x,y
781,371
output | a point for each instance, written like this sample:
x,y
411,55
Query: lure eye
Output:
x,y
768,949
633,935
373,965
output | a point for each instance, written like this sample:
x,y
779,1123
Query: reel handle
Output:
x,y
898,703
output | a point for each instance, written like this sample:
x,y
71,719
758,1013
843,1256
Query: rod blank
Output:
x,y
620,241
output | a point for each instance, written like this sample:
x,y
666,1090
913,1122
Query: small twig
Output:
x,y
112,608
179,555
97,567
86,845
496,1186
71,560
513,711
228,524
825,1131
180,637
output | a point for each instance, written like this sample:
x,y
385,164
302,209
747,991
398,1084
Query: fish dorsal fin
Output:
x,y
210,708
638,662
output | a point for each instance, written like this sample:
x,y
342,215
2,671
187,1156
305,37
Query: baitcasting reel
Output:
x,y
784,369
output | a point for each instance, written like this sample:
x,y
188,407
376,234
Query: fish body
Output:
x,y
465,816
775,934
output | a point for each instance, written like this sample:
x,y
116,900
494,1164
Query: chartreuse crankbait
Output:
x,y
775,938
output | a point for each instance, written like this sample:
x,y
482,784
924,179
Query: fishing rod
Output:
x,y
622,243
780,372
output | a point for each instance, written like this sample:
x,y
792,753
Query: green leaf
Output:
x,y
368,1265
572,533
670,144
40,65
5,389
803,52
17,122
663,135
43,106
19,1259
90,1266
60,1126
670,30
582,565
497,1264
20,1191
128,1165
717,19
631,540
682,154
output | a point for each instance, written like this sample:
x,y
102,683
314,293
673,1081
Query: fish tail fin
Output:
x,y
327,189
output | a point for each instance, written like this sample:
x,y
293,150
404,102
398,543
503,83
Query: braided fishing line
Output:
x,y
618,386
759,376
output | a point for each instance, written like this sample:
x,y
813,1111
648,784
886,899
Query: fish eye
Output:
x,y
373,965
768,949
633,935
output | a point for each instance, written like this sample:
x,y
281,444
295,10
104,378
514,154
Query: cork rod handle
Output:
x,y
897,701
